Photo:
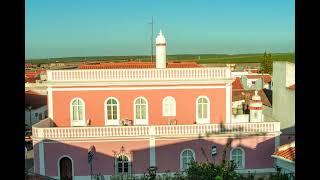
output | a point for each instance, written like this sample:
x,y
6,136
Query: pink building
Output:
x,y
137,118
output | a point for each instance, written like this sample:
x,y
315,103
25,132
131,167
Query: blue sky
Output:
x,y
67,28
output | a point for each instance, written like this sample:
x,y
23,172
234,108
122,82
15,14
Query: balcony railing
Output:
x,y
42,130
139,74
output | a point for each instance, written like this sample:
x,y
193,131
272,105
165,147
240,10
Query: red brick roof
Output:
x,y
287,151
266,78
35,99
31,74
137,65
239,94
292,87
236,84
28,65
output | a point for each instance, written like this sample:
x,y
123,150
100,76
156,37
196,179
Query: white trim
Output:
x,y
106,120
58,164
282,158
181,161
243,156
152,144
262,170
141,121
41,159
173,105
137,88
135,83
207,120
50,103
228,102
82,122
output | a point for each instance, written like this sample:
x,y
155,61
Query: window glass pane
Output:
x,y
204,100
137,111
142,101
143,112
80,113
113,101
199,111
205,113
73,113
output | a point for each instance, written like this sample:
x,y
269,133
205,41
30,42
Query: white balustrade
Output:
x,y
42,130
138,74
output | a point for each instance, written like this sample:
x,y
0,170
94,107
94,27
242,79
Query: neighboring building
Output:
x,y
137,118
36,108
283,95
257,81
284,157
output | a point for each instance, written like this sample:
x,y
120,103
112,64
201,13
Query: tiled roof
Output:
x,y
137,65
287,151
236,84
238,95
292,87
266,78
31,74
35,100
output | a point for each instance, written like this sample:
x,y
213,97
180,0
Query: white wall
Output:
x,y
283,99
241,118
34,118
285,166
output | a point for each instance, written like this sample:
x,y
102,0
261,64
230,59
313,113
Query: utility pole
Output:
x,y
151,38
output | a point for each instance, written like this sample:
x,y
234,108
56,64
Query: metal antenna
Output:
x,y
151,38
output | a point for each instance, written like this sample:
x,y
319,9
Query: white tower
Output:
x,y
255,108
160,51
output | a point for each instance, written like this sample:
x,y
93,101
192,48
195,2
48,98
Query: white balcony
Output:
x,y
84,75
42,130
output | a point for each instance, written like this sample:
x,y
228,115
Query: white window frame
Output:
x,y
140,121
171,103
111,121
116,164
81,122
181,158
243,156
203,120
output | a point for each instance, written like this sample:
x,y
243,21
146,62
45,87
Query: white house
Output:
x,y
36,107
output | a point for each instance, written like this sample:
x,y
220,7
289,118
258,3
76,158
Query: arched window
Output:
x,y
141,111
169,106
112,111
238,156
77,112
186,157
122,164
203,110
65,168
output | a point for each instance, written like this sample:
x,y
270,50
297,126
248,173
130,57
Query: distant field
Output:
x,y
200,58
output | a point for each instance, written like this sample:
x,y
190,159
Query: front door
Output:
x,y
65,169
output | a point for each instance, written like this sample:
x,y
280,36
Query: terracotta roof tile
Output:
x,y
238,94
287,151
236,84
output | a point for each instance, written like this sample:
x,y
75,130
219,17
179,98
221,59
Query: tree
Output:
x,y
267,63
